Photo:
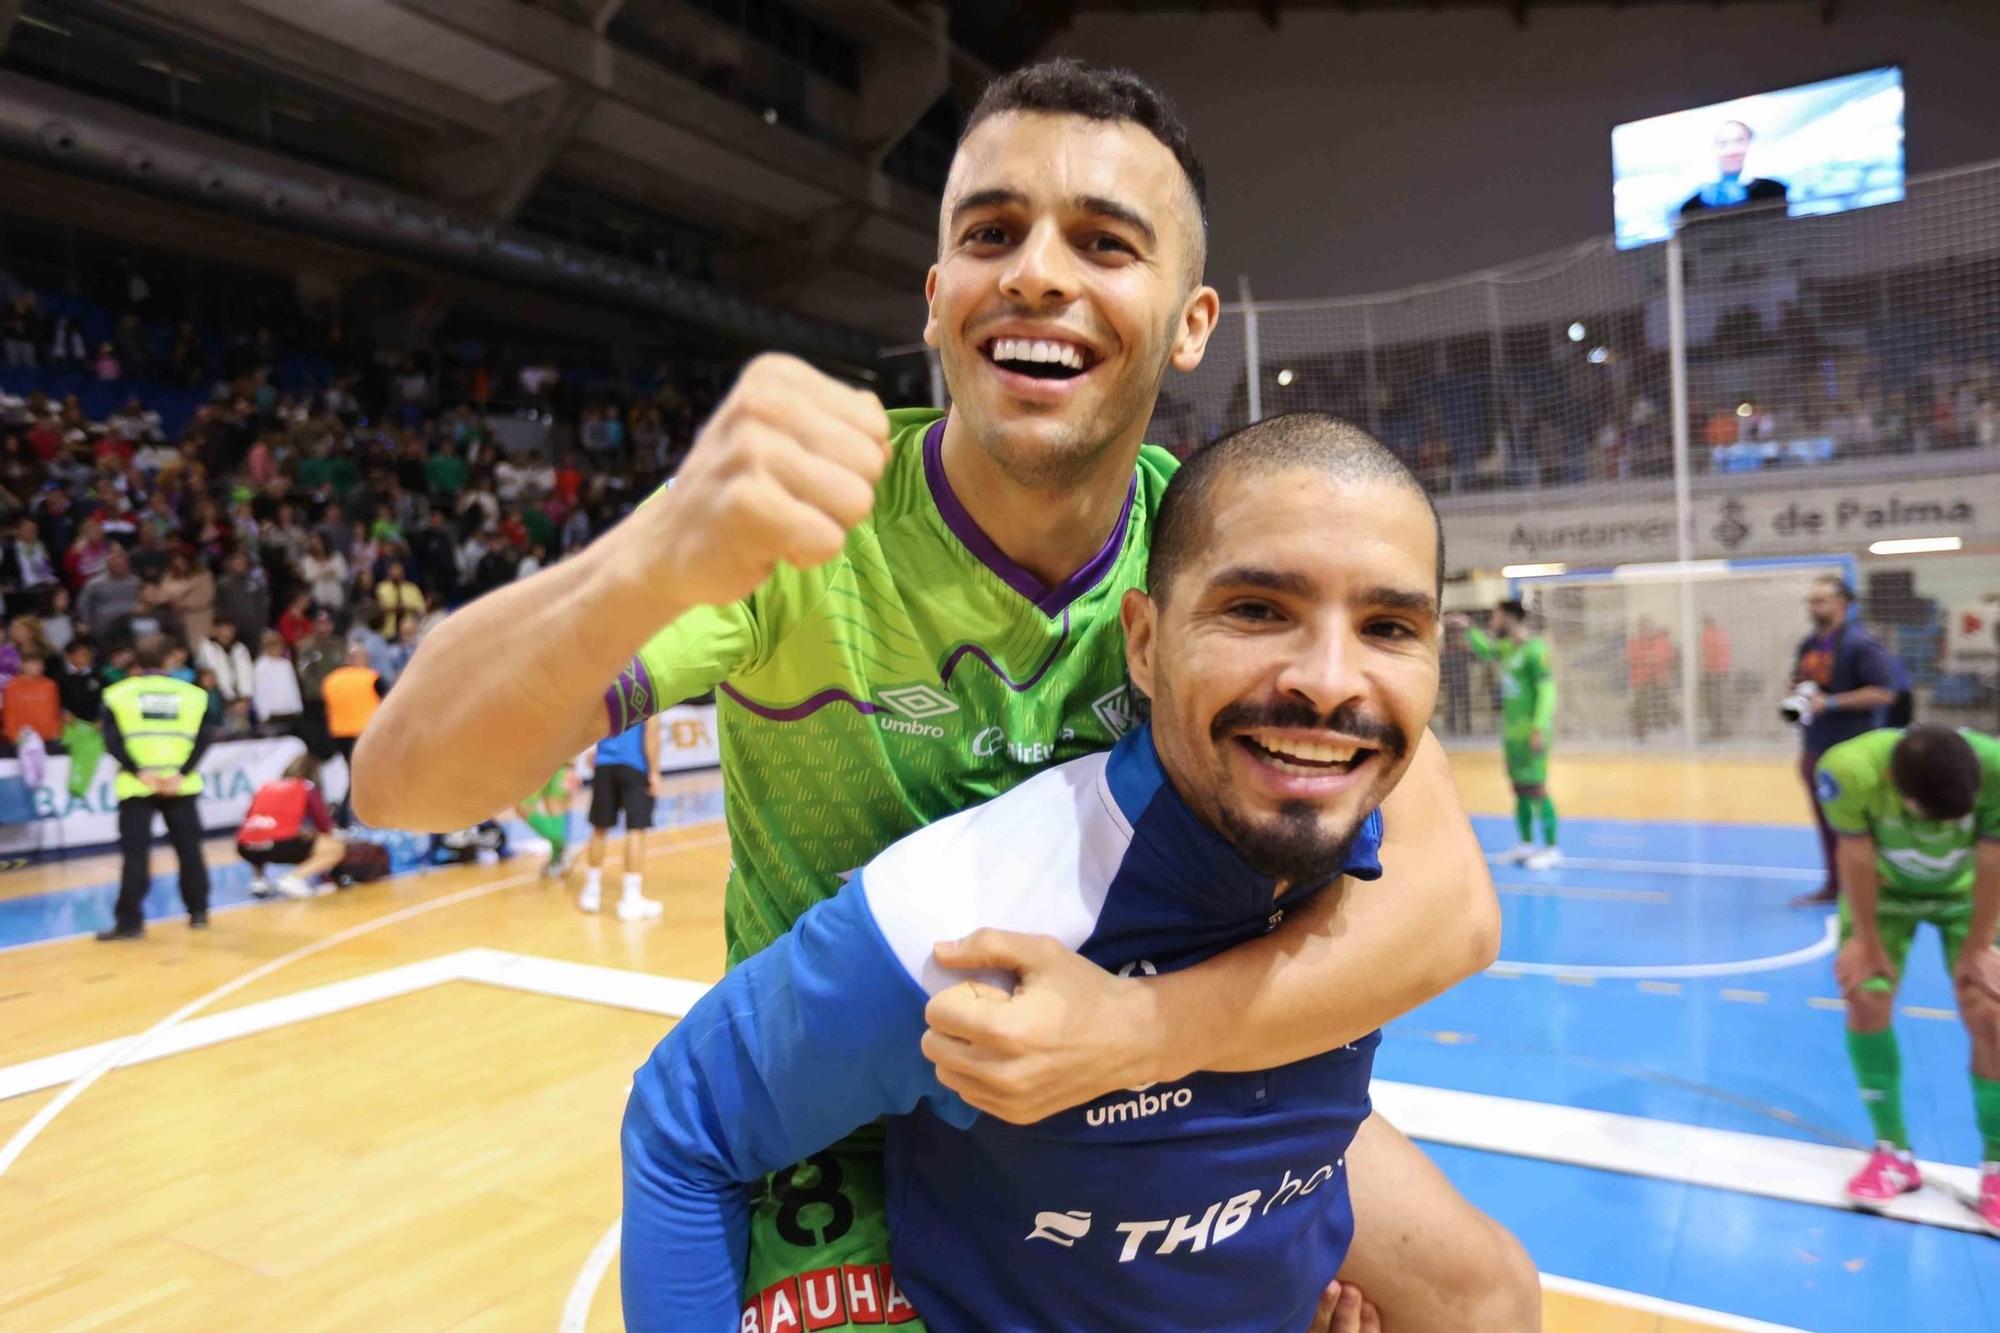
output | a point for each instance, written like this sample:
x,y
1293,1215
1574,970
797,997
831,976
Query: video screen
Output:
x,y
1821,148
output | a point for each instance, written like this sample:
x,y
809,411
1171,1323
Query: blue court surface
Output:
x,y
1651,1088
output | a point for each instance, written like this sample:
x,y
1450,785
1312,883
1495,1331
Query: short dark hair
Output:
x,y
1936,768
1514,608
1067,86
1293,439
150,653
1838,584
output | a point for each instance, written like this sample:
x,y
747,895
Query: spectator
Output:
x,y
243,597
150,558
335,531
296,622
1649,667
288,824
190,590
277,702
81,690
150,617
28,570
403,647
106,366
317,656
353,692
228,659
178,665
399,598
445,472
32,701
88,554
1715,655
325,572
367,634
19,332
110,596
58,629
436,555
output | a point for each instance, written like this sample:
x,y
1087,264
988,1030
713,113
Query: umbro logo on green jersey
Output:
x,y
918,702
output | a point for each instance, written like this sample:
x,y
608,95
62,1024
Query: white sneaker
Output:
x,y
260,887
589,901
632,908
294,887
1546,858
1518,853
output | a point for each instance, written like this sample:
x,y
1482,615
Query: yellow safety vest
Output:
x,y
159,717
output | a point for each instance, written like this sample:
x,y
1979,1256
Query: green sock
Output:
x,y
1986,1109
1878,1067
1524,817
1547,806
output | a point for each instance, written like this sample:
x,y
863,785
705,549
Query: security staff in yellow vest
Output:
x,y
156,729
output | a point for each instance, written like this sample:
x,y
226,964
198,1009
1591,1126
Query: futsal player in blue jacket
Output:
x,y
1288,647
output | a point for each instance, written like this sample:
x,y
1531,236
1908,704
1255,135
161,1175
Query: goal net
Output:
x,y
1643,653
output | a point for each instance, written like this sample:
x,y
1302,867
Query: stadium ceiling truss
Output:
x,y
1023,27
498,93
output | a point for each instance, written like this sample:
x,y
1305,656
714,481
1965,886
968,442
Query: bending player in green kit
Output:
x,y
1527,715
1918,817
547,811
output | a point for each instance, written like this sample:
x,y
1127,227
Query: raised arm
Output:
x,y
1338,968
806,1041
510,686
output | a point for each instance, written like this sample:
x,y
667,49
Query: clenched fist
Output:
x,y
783,469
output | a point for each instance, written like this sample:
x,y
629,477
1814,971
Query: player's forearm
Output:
x,y
1545,706
1351,960
504,691
1861,700
1861,881
683,1242
1480,645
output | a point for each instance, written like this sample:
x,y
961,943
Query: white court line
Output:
x,y
1694,869
1632,1300
249,1019
1591,892
1758,1164
125,1051
583,1292
1661,971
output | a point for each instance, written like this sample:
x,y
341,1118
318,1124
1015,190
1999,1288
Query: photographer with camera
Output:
x,y
1843,681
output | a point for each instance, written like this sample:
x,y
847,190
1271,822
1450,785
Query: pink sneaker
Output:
x,y
1887,1174
1989,1196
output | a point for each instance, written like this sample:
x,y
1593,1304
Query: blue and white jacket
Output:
x,y
1218,1202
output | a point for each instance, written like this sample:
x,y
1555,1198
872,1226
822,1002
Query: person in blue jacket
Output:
x,y
1288,647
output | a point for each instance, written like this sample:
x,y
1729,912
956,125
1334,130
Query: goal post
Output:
x,y
1677,655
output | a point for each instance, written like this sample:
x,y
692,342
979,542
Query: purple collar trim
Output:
x,y
1049,601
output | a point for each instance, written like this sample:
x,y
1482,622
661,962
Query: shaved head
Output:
x,y
1313,440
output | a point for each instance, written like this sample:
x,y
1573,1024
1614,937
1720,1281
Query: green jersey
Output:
x,y
1527,686
918,673
1921,860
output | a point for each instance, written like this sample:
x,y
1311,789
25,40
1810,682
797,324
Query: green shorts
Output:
x,y
1897,923
819,1245
1525,768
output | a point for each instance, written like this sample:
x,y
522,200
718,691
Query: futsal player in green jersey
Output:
x,y
1917,814
905,614
547,811
1527,718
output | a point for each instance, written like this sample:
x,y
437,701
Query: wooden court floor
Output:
x,y
443,1158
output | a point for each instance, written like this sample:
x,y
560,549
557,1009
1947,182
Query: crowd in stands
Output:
x,y
280,523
